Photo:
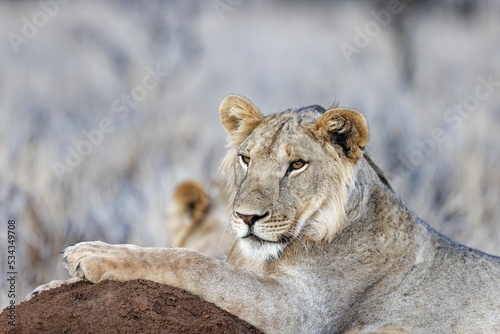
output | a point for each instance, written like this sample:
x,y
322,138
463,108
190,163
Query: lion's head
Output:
x,y
289,173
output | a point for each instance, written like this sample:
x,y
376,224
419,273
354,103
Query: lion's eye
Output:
x,y
297,164
244,159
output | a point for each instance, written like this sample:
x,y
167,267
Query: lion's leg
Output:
x,y
51,285
257,300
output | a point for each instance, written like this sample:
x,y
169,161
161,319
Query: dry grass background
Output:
x,y
277,53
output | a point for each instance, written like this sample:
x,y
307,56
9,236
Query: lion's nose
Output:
x,y
250,220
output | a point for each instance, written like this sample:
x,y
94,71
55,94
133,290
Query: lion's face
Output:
x,y
289,179
279,183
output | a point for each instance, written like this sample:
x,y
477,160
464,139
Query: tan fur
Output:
x,y
240,116
344,121
196,220
380,330
324,245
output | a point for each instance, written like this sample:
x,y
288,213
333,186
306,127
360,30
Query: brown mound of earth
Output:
x,y
121,307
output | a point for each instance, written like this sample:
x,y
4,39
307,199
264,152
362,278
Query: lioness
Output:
x,y
196,220
324,245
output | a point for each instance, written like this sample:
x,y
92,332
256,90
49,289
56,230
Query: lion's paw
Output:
x,y
49,286
96,261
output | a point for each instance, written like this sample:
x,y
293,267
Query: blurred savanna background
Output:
x,y
105,106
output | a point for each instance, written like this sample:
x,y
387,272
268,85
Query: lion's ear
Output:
x,y
344,127
239,117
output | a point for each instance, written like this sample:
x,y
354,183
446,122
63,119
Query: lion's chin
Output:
x,y
259,249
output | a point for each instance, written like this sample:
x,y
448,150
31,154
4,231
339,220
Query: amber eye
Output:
x,y
245,159
297,164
